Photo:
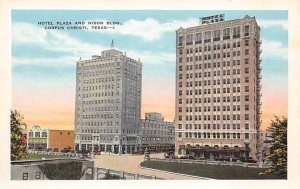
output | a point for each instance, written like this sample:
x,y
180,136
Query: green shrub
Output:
x,y
63,171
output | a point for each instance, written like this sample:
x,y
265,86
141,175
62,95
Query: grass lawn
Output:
x,y
40,156
210,171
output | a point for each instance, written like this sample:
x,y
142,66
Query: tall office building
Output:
x,y
218,88
108,103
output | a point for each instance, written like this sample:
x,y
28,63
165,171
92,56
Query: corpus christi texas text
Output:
x,y
80,25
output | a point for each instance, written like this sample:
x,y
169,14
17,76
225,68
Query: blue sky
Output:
x,y
48,57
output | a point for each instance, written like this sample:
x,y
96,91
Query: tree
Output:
x,y
278,154
17,151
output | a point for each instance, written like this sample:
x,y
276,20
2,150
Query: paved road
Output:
x,y
129,163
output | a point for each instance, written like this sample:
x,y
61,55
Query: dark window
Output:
x,y
25,176
37,175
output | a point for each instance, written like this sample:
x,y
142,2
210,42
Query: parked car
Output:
x,y
188,157
251,160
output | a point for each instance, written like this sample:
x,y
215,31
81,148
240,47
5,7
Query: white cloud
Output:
x,y
148,57
54,62
274,49
59,41
27,33
273,23
53,40
149,29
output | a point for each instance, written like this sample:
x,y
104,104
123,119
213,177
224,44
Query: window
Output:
x,y
207,37
180,134
226,33
246,70
247,31
246,125
246,42
198,38
236,32
25,176
246,88
217,34
246,135
247,61
30,134
37,175
44,134
247,52
37,134
189,39
180,41
246,97
246,116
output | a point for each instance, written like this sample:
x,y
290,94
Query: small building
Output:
x,y
61,139
37,138
24,138
265,143
41,138
31,169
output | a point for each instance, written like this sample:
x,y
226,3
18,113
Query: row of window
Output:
x,y
209,36
214,108
37,134
108,130
214,135
212,117
156,139
210,82
154,132
214,47
102,124
208,91
210,56
212,126
37,175
215,99
210,73
209,65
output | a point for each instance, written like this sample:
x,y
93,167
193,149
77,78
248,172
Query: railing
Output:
x,y
208,162
102,172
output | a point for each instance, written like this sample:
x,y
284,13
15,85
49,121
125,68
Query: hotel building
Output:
x,y
155,133
108,103
218,88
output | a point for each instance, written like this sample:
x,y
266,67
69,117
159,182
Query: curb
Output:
x,y
203,178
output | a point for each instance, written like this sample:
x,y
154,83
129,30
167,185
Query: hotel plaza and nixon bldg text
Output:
x,y
218,90
218,95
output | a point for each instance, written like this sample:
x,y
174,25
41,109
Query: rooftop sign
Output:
x,y
212,19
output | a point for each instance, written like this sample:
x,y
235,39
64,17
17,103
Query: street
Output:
x,y
130,163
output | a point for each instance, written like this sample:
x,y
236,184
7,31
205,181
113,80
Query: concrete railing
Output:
x,y
100,174
208,162
69,154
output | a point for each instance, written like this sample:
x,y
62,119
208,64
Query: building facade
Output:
x,y
41,138
61,139
108,103
218,88
30,169
37,137
266,139
155,133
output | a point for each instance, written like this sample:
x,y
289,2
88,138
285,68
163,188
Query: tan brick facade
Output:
x,y
61,139
218,89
